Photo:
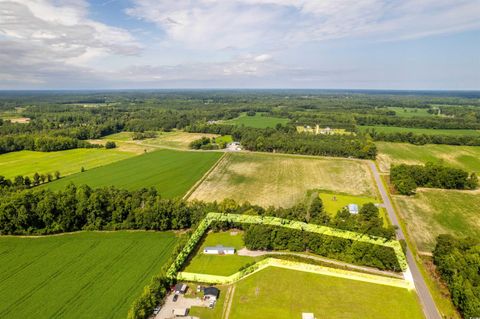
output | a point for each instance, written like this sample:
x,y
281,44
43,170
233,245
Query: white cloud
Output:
x,y
266,23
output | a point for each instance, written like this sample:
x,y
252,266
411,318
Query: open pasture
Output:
x,y
285,294
426,131
464,157
215,264
282,180
257,121
82,275
26,163
172,173
335,202
432,212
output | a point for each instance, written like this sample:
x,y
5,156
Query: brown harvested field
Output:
x,y
282,180
432,212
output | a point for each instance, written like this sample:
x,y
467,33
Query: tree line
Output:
x,y
406,178
285,139
42,143
422,139
458,262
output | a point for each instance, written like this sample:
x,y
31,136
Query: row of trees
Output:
x,y
422,139
419,122
286,140
12,143
458,262
406,178
22,182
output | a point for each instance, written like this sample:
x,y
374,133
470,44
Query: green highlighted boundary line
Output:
x,y
275,221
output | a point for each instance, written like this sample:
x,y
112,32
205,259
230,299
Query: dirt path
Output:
x,y
256,253
228,302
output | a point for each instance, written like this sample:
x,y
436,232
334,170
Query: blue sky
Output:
x,y
363,44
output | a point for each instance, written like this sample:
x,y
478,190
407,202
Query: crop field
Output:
x,y
26,163
426,131
257,121
432,212
219,265
282,180
464,157
285,294
82,275
172,173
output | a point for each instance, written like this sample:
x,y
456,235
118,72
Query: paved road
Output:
x,y
429,307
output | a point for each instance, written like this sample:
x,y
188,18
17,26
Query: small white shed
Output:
x,y
219,250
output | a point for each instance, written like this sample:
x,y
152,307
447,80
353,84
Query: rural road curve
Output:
x,y
429,308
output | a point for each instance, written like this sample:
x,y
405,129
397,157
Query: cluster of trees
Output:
x,y
422,139
419,122
23,182
279,238
12,143
406,178
285,139
458,262
204,143
110,145
144,135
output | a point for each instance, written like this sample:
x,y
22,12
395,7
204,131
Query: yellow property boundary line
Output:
x,y
297,266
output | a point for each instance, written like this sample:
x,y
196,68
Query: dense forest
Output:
x,y
458,262
406,178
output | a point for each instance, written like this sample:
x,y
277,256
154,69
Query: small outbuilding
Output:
x,y
211,293
180,288
353,208
180,312
219,250
308,315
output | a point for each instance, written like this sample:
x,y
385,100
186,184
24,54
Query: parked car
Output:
x,y
156,310
175,298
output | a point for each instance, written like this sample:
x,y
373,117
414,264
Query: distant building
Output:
x,y
180,288
211,293
219,250
353,208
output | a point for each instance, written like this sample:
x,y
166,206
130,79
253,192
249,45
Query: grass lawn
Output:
x,y
282,180
216,312
172,173
427,131
410,112
82,275
257,121
285,294
433,212
215,264
26,163
225,139
464,157
335,202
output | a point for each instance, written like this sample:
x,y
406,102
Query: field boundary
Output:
x,y
203,178
280,222
297,266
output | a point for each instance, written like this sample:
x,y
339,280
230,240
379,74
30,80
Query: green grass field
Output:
x,y
219,265
68,162
82,275
282,180
257,121
394,129
433,212
224,139
335,202
285,294
172,173
410,112
464,157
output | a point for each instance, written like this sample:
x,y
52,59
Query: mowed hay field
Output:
x,y
464,157
26,163
432,212
82,275
257,121
285,294
282,180
172,173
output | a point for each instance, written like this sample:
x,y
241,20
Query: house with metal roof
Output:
x,y
219,250
353,208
